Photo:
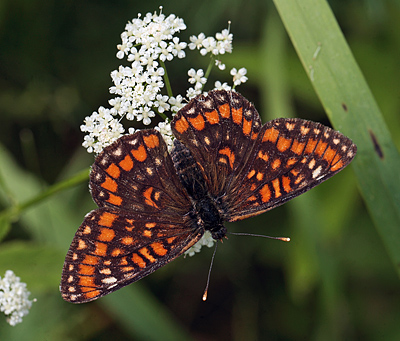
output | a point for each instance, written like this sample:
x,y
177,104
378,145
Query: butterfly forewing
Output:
x,y
113,248
219,129
136,173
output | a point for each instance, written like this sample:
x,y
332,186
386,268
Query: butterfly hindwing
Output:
x,y
113,248
290,157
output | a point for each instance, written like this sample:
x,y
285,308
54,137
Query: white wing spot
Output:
x,y
236,102
117,152
248,114
81,245
208,103
87,230
191,111
317,172
157,161
304,130
290,126
104,161
105,271
109,280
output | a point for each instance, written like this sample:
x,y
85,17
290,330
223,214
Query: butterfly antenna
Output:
x,y
284,239
209,273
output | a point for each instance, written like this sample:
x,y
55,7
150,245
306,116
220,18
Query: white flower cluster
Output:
x,y
206,240
142,89
221,44
14,302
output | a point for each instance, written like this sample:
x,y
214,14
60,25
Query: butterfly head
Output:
x,y
210,218
218,232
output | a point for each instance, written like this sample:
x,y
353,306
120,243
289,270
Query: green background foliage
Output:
x,y
338,277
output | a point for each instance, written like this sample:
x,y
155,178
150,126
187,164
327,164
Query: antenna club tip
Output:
x,y
205,296
285,239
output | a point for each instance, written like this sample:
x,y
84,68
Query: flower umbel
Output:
x,y
143,90
14,302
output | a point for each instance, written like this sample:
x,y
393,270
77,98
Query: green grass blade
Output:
x,y
142,316
351,108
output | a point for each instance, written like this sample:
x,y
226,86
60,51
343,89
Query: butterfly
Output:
x,y
224,166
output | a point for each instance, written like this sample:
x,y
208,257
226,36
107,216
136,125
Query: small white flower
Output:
x,y
176,103
209,45
239,76
192,92
197,78
89,143
144,115
14,302
220,65
206,240
165,51
178,48
196,42
219,86
161,103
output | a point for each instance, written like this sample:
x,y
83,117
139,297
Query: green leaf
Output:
x,y
5,225
351,108
36,265
142,315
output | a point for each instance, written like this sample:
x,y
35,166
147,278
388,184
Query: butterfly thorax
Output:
x,y
205,208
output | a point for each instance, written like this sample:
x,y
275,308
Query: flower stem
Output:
x,y
163,116
166,79
208,71
15,210
210,65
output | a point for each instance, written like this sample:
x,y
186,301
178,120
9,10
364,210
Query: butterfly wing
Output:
x,y
142,222
113,248
219,129
290,157
136,173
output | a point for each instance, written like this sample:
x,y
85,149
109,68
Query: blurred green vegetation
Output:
x,y
333,281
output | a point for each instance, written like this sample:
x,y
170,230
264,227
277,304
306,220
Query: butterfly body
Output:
x,y
206,211
225,166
